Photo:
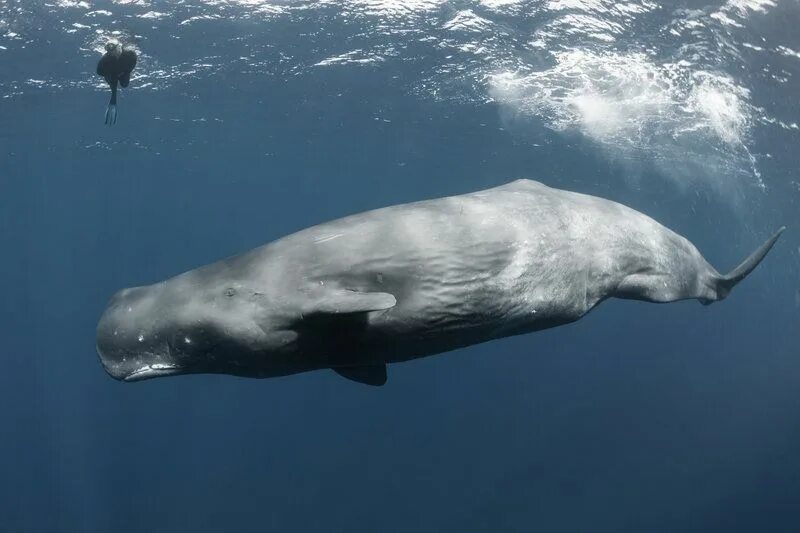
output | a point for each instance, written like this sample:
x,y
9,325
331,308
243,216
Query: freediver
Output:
x,y
115,67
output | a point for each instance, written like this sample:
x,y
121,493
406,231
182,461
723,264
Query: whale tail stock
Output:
x,y
724,284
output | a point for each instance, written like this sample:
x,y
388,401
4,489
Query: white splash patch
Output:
x,y
744,7
502,6
636,108
725,20
587,25
788,52
154,15
358,57
73,3
728,14
780,123
753,47
720,105
601,20
606,96
583,5
197,18
262,7
393,9
602,6
468,21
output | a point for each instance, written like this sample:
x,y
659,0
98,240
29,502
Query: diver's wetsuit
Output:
x,y
116,69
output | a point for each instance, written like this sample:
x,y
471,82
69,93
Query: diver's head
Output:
x,y
114,47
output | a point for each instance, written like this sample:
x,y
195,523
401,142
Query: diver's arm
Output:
x,y
127,61
104,67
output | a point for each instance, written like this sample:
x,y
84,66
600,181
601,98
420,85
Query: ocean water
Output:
x,y
247,120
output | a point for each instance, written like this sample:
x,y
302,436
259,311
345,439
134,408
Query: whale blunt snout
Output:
x,y
105,343
128,350
123,363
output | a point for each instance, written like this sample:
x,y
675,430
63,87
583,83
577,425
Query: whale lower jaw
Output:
x,y
153,371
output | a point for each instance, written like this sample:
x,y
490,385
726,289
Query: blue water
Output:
x,y
639,417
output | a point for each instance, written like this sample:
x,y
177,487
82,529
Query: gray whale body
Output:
x,y
404,282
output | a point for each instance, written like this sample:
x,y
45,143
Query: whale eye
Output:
x,y
230,291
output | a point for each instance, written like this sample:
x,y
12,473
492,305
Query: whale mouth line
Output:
x,y
153,371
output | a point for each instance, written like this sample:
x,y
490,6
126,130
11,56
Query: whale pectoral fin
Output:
x,y
339,302
374,375
333,325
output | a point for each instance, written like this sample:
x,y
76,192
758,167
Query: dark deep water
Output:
x,y
639,417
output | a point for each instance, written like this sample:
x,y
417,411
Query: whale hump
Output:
x,y
727,282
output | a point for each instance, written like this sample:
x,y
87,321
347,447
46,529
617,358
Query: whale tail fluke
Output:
x,y
728,281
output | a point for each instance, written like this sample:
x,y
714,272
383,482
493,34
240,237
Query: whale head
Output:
x,y
181,327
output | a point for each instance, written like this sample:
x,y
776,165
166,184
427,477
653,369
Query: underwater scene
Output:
x,y
393,266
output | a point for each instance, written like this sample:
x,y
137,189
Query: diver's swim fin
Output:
x,y
111,114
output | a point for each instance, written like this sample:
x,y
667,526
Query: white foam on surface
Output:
x,y
349,58
73,3
389,8
632,106
468,21
502,6
735,12
155,15
744,7
788,52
